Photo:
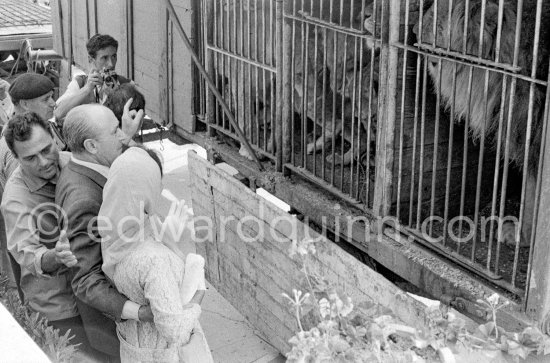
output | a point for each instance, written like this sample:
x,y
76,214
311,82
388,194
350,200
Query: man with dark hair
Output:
x,y
29,92
93,87
34,239
117,99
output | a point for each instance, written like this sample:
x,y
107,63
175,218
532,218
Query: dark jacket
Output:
x,y
79,193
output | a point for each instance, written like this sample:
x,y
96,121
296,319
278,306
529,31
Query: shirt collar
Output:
x,y
35,183
101,169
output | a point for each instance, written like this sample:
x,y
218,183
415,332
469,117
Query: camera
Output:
x,y
109,77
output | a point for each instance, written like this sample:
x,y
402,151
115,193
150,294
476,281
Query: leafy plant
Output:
x,y
57,347
331,329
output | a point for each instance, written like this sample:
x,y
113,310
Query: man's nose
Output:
x,y
43,161
110,63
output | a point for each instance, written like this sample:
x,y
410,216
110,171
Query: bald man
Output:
x,y
95,139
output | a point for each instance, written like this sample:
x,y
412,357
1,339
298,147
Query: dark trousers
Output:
x,y
79,337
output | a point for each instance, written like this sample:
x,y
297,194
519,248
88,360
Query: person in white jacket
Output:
x,y
143,262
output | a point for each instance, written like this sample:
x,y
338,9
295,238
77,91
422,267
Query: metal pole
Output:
x,y
210,83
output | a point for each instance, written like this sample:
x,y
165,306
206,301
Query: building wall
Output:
x,y
151,39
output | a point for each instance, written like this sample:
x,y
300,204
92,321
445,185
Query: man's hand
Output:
x,y
131,119
145,314
63,254
94,79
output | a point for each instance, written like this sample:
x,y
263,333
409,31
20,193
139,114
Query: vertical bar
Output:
x,y
506,165
386,123
209,60
422,145
280,84
343,100
129,37
87,19
480,166
315,83
497,171
526,168
360,106
70,33
449,157
402,115
324,102
353,96
435,148
288,87
419,61
465,154
335,87
537,290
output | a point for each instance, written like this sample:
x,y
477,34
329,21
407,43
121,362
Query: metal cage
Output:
x,y
428,114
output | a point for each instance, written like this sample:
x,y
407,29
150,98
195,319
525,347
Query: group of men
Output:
x,y
51,198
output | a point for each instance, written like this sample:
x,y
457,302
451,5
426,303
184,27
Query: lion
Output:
x,y
482,115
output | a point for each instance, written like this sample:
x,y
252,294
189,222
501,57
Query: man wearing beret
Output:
x,y
94,87
28,92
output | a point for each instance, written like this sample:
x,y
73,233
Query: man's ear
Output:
x,y
24,104
90,59
90,146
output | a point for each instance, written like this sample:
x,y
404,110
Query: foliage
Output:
x,y
342,332
57,347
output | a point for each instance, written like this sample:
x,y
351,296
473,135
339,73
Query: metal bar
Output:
x,y
422,144
303,113
129,37
96,27
70,33
324,104
343,100
538,263
242,59
277,129
305,18
314,96
465,154
386,125
288,87
448,57
480,167
499,30
435,148
462,58
210,83
360,107
497,171
369,124
293,87
419,61
334,100
449,158
354,105
506,165
402,117
528,136
88,19
211,35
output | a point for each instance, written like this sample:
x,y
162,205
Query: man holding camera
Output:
x,y
93,88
